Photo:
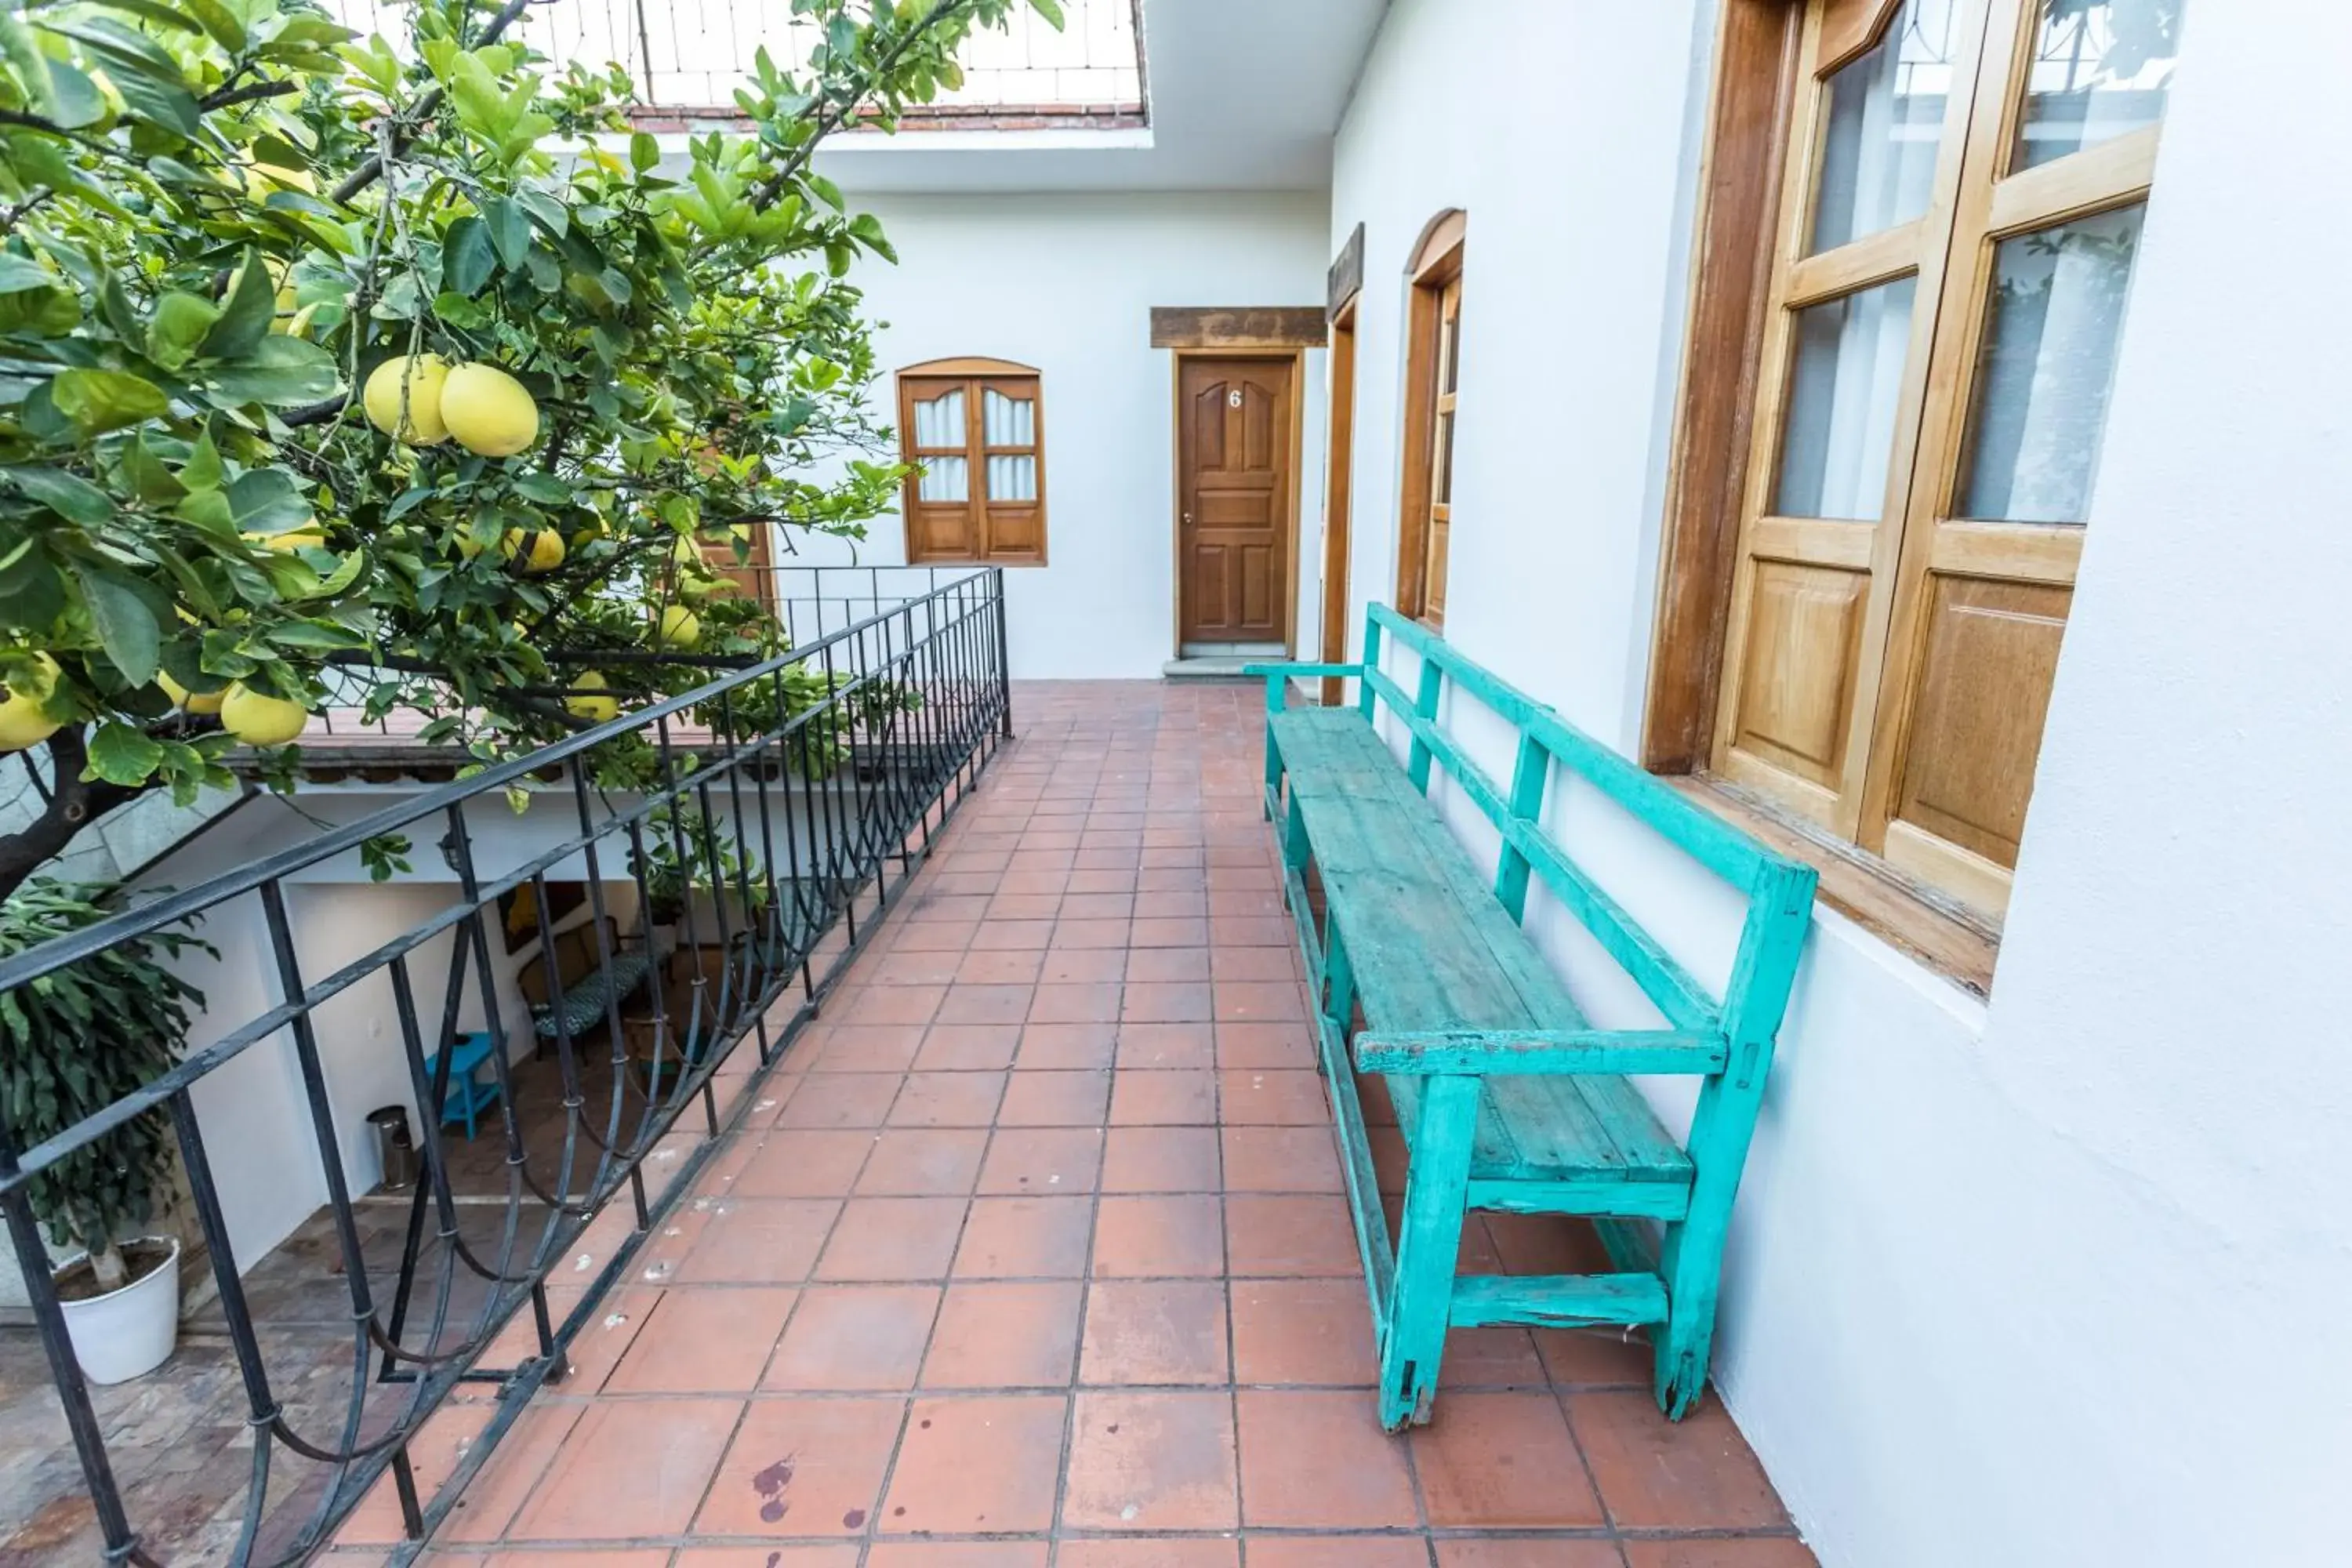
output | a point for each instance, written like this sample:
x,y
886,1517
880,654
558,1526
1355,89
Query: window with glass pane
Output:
x,y
973,436
2100,68
1885,120
2045,364
1926,428
1844,387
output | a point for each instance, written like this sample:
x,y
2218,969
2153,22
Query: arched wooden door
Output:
x,y
1234,488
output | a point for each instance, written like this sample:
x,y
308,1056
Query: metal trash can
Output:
x,y
395,1150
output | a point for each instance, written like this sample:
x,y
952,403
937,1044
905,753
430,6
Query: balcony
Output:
x,y
1003,1225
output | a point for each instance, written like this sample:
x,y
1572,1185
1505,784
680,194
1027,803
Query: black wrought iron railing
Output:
x,y
717,904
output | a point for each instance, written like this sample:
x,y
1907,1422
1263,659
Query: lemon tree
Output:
x,y
325,361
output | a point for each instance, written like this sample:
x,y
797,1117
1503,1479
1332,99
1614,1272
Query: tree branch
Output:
x,y
367,174
73,804
228,96
829,121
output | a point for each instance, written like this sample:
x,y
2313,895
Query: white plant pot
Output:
x,y
124,1333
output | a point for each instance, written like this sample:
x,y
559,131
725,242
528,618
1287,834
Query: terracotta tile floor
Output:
x,y
1033,1253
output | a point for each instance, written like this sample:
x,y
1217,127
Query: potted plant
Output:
x,y
71,1044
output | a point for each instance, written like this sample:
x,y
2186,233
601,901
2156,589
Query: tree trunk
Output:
x,y
107,1266
73,804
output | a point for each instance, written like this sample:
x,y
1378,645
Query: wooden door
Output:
x,y
1234,482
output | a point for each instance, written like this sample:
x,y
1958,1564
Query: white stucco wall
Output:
x,y
2057,1279
1065,282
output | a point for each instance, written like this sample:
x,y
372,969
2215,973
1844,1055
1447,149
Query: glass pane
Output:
x,y
2045,366
1843,389
1009,421
945,478
2100,67
1885,117
1441,487
1012,478
940,422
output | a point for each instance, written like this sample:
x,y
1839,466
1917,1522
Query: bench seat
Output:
x,y
1431,950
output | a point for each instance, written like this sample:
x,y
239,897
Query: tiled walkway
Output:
x,y
1035,1255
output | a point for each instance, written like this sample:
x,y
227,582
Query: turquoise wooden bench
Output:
x,y
1508,1098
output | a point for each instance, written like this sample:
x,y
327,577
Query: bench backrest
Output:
x,y
574,957
1780,890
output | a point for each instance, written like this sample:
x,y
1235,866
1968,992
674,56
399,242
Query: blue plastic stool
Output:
x,y
468,1095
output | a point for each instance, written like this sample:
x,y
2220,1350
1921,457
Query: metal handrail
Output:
x,y
826,812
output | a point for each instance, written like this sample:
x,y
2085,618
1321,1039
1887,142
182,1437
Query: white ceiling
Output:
x,y
1244,95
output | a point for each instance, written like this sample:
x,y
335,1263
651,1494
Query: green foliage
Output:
x,y
74,1042
218,217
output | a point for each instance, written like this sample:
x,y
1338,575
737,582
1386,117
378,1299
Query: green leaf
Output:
x,y
101,400
18,273
69,495
153,10
281,371
62,94
180,322
122,755
545,489
318,636
265,501
510,229
550,213
161,103
1049,9
202,471
644,153
218,20
345,573
467,258
245,320
125,624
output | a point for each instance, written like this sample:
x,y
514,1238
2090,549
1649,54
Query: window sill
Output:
x,y
1928,925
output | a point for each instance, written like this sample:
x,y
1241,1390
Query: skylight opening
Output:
x,y
687,57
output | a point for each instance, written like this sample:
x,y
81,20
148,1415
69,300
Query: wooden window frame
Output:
x,y
1436,268
1345,288
1756,193
979,376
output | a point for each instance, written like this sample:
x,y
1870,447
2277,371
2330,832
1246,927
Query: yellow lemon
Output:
x,y
488,411
540,549
596,710
23,721
425,376
206,702
680,627
258,718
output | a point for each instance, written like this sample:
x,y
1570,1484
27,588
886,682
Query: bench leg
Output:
x,y
1429,1243
1338,990
1294,848
1273,773
1690,1253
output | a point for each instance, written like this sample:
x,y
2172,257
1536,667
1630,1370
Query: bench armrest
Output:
x,y
1480,1053
1285,669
